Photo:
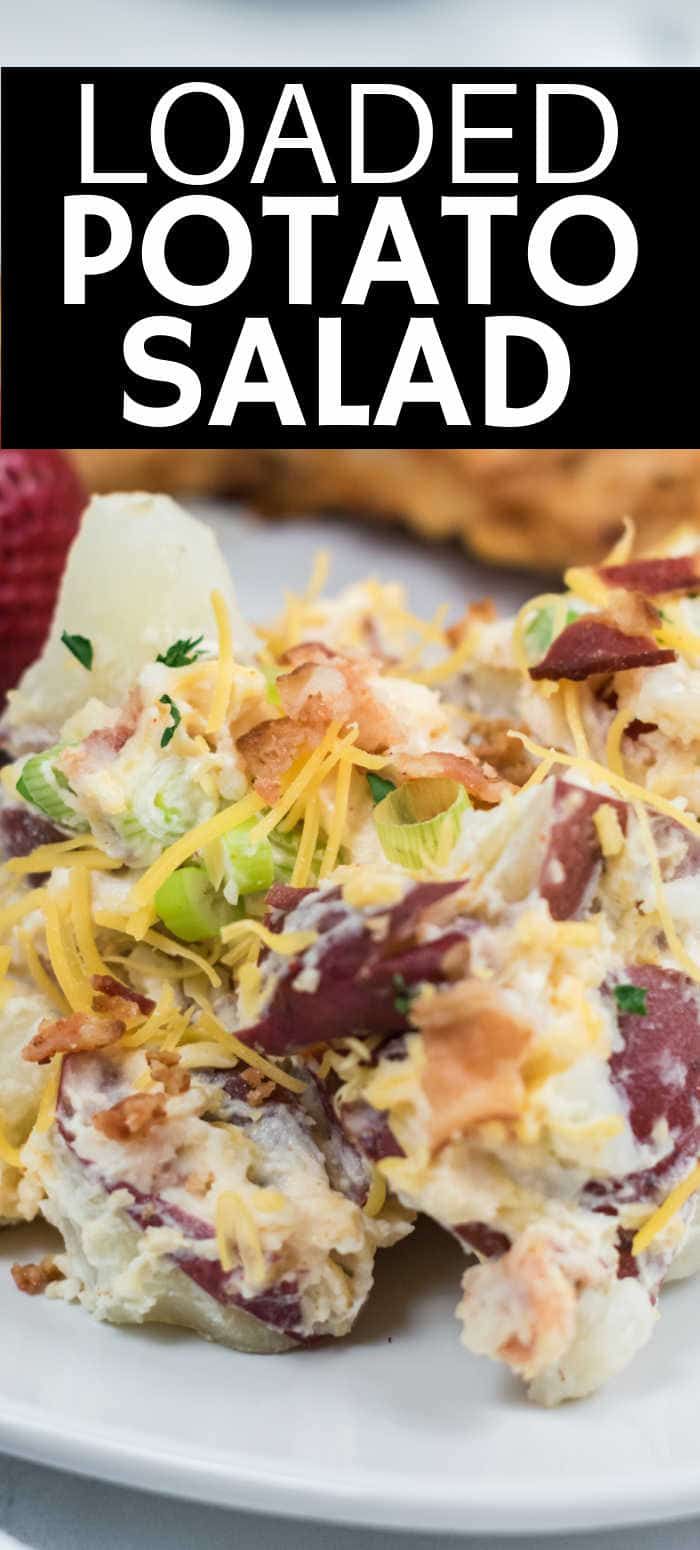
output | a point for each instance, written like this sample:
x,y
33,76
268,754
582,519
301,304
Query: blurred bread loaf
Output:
x,y
512,506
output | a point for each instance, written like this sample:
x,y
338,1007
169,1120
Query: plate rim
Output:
x,y
393,1501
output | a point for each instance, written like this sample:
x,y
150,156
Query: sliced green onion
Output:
x,y
241,864
284,852
164,805
187,904
43,785
539,633
418,824
379,788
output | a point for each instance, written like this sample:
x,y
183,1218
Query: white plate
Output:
x,y
396,1426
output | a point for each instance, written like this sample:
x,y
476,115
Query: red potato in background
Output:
x,y
41,500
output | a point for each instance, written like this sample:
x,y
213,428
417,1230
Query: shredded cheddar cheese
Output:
x,y
42,980
671,1205
321,760
616,731
224,675
601,775
587,585
9,1154
572,709
623,546
81,914
216,1031
288,943
64,960
47,1106
307,844
12,913
608,829
340,814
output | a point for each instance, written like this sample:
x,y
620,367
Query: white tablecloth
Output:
x,y
44,1509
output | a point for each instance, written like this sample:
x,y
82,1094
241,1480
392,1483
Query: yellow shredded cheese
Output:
x,y
12,913
42,980
146,888
224,675
249,991
323,759
81,915
377,1194
623,546
554,600
5,960
9,1154
288,943
64,960
671,1205
307,843
154,1024
178,950
340,813
47,1105
586,584
608,829
64,853
572,710
616,730
450,665
600,774
211,1025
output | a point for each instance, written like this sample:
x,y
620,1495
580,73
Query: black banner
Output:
x,y
348,258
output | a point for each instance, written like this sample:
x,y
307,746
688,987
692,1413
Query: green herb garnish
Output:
x,y
631,998
379,787
81,648
182,653
403,994
174,722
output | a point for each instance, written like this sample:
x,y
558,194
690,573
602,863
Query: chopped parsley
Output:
x,y
403,994
174,722
182,653
379,788
631,998
81,648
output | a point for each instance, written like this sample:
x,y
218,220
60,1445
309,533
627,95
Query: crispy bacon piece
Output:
x,y
573,856
34,1278
491,743
164,1066
336,689
653,577
480,780
133,1117
269,749
259,1087
72,1035
599,643
474,1050
107,985
307,651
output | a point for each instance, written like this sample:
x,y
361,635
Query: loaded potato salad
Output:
x,y
307,929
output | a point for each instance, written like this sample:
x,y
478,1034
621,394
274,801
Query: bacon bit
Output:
x,y
132,1118
322,688
492,744
261,1087
596,643
269,749
317,693
480,780
107,985
71,1035
164,1066
637,729
474,1056
653,577
199,1183
307,651
34,1278
483,612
